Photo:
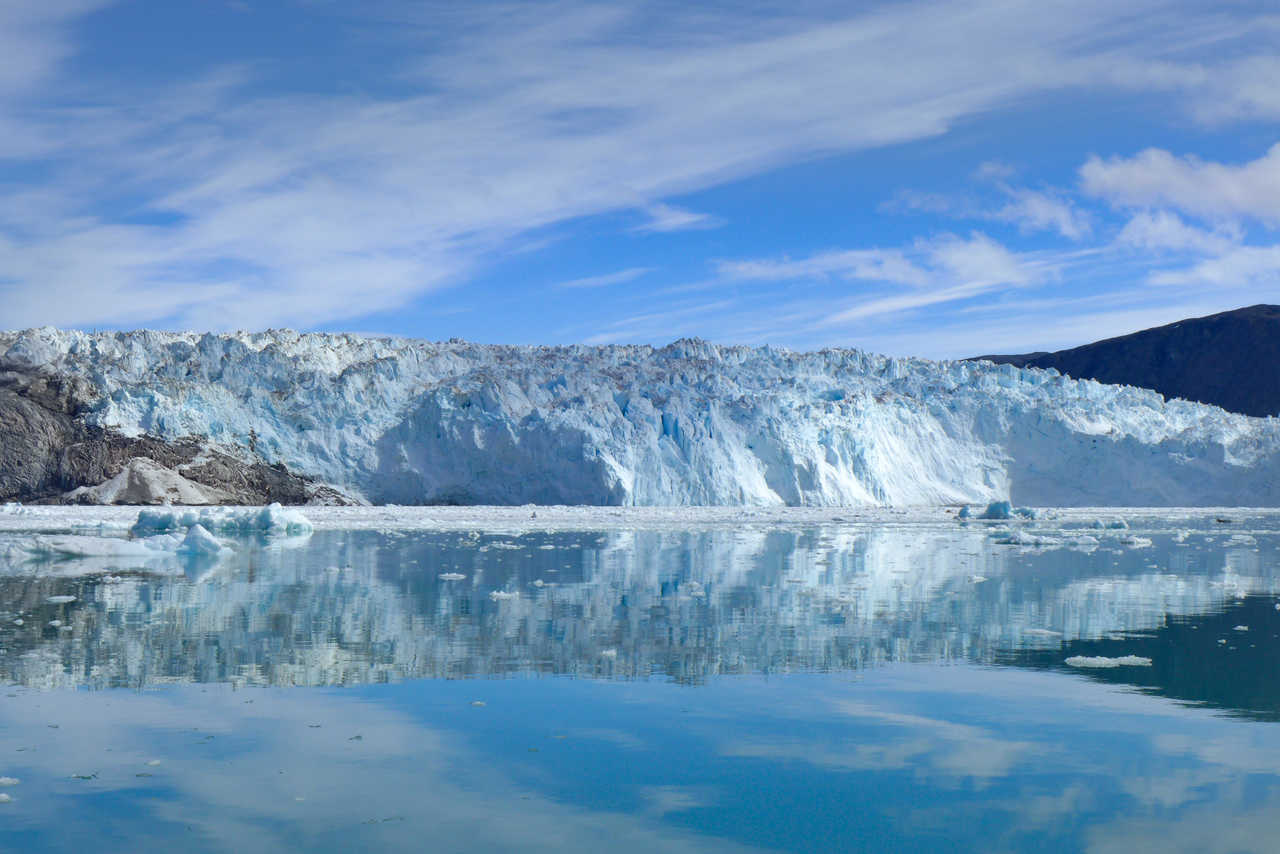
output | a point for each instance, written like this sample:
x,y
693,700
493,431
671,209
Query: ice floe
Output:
x,y
1102,661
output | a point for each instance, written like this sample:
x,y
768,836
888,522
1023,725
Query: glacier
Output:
x,y
405,421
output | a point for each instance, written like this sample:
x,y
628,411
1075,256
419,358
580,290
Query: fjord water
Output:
x,y
891,686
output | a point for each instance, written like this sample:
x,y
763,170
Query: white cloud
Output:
x,y
980,261
1156,178
665,218
1164,230
1240,268
1032,210
873,265
307,209
944,270
621,277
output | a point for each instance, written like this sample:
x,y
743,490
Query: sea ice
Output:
x,y
1101,661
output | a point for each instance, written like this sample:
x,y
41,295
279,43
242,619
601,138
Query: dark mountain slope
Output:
x,y
1230,359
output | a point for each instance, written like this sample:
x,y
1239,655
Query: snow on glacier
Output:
x,y
408,421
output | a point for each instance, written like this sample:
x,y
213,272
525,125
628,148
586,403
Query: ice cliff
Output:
x,y
408,421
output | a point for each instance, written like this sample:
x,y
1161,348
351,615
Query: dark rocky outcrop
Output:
x,y
1230,360
47,450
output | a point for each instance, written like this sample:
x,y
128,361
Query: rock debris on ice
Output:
x,y
143,481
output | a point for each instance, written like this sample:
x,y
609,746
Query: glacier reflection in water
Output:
x,y
826,688
343,607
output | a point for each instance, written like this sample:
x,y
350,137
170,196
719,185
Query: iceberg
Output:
x,y
200,542
1103,662
401,421
272,519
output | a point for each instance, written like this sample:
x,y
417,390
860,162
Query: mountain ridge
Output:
x,y
1229,359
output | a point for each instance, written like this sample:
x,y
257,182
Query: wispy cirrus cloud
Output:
x,y
666,218
602,281
227,199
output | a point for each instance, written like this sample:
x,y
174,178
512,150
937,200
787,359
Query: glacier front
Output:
x,y
391,420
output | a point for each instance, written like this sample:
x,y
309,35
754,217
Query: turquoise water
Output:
x,y
864,689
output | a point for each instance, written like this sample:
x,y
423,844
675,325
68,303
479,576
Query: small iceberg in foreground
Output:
x,y
1103,662
272,519
999,510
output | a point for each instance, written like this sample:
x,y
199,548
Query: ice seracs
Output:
x,y
412,422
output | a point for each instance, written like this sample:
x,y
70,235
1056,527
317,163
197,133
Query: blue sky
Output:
x,y
929,178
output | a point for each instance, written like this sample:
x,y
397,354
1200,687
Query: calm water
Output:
x,y
901,687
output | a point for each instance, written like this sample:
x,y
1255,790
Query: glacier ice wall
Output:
x,y
408,421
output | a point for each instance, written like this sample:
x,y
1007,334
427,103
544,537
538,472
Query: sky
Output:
x,y
941,179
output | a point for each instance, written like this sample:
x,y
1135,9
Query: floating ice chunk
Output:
x,y
14,508
964,512
1240,629
59,600
77,546
9,781
1005,510
608,653
159,521
272,519
57,624
1102,661
503,595
200,542
1027,538
4,798
1111,524
977,579
1135,542
451,576
998,510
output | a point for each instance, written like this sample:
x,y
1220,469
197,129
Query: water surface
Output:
x,y
829,687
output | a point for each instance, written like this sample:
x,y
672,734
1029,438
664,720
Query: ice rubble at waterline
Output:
x,y
162,540
407,421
